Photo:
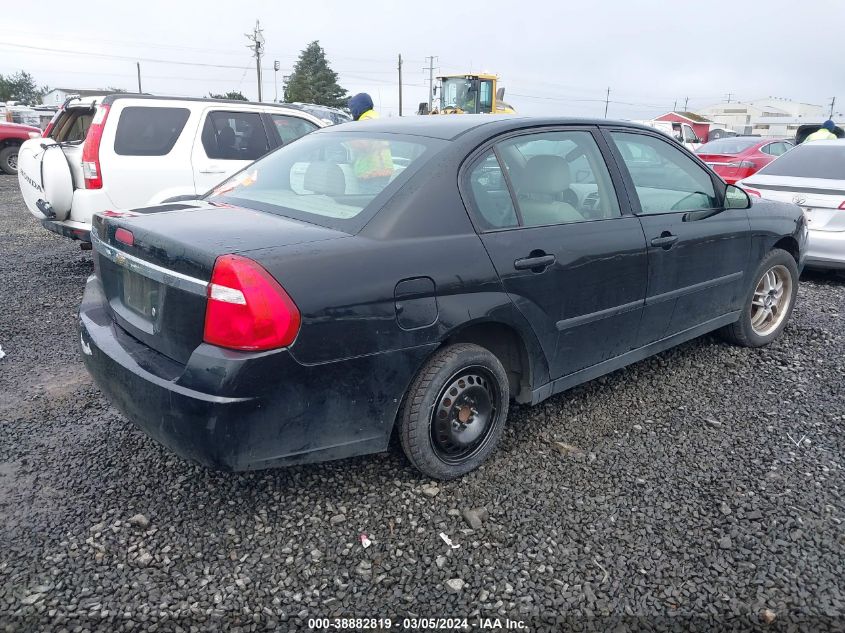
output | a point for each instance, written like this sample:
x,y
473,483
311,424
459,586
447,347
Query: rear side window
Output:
x,y
291,128
491,194
144,131
234,136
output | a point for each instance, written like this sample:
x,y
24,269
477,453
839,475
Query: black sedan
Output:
x,y
419,274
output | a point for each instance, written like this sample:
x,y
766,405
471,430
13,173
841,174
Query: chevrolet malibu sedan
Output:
x,y
416,276
812,176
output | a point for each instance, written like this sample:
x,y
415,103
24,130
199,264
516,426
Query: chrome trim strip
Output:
x,y
148,269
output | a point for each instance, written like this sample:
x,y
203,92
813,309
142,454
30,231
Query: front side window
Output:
x,y
326,178
291,128
665,178
149,131
234,136
689,135
559,178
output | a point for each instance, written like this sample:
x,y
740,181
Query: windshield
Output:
x,y
822,159
462,94
727,146
327,178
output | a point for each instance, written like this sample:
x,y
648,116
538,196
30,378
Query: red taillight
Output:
x,y
122,235
744,164
91,150
752,192
247,309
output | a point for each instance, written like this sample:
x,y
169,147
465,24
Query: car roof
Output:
x,y
451,126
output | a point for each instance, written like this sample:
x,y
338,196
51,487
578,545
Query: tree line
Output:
x,y
312,81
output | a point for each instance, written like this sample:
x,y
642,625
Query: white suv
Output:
x,y
127,150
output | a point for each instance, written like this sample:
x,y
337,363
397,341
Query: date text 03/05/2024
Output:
x,y
417,624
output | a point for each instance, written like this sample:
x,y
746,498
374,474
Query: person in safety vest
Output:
x,y
372,161
824,133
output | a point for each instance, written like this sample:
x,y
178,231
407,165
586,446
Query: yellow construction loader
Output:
x,y
470,94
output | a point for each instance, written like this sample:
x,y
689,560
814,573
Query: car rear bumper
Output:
x,y
241,411
826,249
73,230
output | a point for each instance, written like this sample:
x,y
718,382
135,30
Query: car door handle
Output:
x,y
213,169
536,263
665,240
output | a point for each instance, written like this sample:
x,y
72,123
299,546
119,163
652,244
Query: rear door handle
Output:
x,y
212,169
665,240
535,263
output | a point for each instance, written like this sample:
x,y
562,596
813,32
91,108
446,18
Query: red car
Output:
x,y
737,157
11,137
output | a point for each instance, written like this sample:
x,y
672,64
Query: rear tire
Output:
x,y
9,160
769,302
455,411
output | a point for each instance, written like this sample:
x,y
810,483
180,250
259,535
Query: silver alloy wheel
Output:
x,y
12,162
771,300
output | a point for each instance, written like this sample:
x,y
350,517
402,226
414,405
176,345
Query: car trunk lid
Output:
x,y
155,264
823,202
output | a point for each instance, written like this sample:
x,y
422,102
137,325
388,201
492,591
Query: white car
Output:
x,y
127,150
812,176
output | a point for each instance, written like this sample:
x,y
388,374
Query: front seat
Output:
x,y
226,141
545,184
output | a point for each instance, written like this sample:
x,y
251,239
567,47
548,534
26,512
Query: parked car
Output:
x,y
129,150
12,136
740,156
501,258
812,176
329,115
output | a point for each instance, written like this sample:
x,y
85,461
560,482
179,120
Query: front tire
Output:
x,y
9,160
454,412
769,304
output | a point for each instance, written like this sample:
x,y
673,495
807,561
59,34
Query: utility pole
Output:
x,y
606,102
729,95
276,81
138,65
675,107
430,80
257,47
832,103
686,103
400,84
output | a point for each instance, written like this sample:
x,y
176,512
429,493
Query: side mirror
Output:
x,y
736,198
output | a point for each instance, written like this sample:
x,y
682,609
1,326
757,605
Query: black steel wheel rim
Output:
x,y
464,414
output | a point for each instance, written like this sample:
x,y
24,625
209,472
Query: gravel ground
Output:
x,y
701,489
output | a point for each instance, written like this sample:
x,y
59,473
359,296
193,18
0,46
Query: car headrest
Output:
x,y
546,175
325,178
226,137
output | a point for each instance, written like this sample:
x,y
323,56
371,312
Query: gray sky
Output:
x,y
552,57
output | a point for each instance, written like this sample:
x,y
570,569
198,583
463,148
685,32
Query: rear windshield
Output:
x,y
143,131
71,125
328,178
727,146
819,159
